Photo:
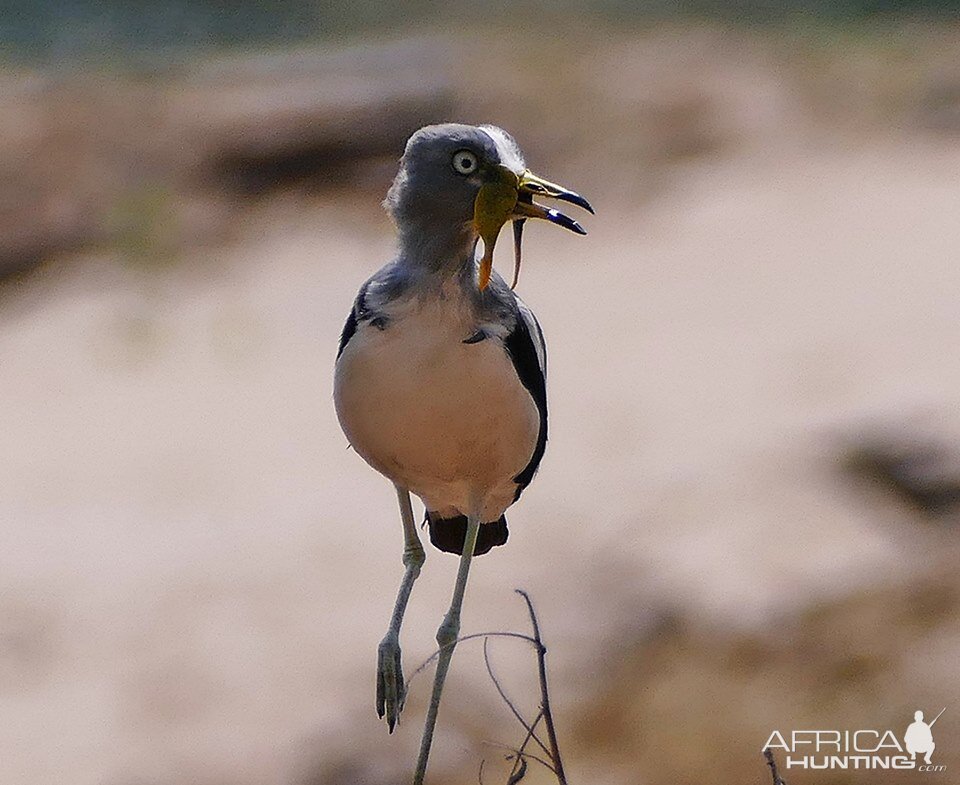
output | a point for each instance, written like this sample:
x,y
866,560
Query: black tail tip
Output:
x,y
449,534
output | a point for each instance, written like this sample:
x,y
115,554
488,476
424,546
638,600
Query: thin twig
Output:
x,y
480,773
555,764
544,694
496,683
515,751
436,654
522,751
772,763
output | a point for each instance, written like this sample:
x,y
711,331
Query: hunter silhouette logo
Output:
x,y
919,737
860,749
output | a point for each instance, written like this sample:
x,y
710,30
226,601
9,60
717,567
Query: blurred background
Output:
x,y
747,517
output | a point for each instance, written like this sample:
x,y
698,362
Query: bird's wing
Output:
x,y
356,313
528,352
375,299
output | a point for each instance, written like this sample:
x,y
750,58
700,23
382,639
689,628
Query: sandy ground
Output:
x,y
196,570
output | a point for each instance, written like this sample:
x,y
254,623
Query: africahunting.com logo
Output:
x,y
860,749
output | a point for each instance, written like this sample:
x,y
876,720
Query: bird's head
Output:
x,y
470,180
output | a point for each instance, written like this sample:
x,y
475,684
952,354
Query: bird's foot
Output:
x,y
390,686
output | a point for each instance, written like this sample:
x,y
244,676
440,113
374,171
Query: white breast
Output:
x,y
448,420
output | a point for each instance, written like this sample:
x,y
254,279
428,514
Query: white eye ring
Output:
x,y
464,162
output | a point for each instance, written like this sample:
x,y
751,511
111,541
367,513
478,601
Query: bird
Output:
x,y
440,375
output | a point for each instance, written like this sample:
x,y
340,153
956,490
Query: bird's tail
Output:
x,y
448,534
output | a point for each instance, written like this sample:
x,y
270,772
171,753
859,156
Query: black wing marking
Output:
x,y
348,330
529,355
357,313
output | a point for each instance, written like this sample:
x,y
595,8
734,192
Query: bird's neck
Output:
x,y
442,251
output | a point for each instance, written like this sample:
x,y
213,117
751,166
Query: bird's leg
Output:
x,y
447,640
390,687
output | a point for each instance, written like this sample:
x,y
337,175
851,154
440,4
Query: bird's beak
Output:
x,y
507,197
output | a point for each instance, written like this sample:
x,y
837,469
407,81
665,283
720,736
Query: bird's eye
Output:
x,y
464,162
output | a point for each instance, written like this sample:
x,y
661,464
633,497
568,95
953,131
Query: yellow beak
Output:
x,y
505,197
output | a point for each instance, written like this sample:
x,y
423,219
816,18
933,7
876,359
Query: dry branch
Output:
x,y
772,763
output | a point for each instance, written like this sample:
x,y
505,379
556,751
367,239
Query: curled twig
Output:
x,y
520,773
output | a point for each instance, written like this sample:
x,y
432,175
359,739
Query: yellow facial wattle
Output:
x,y
493,207
506,196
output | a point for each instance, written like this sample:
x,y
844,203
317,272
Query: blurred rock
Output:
x,y
922,473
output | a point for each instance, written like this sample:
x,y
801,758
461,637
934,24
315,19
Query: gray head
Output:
x,y
918,716
459,183
441,173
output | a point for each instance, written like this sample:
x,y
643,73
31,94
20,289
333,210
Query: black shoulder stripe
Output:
x,y
523,353
348,330
356,313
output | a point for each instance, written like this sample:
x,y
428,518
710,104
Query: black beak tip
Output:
x,y
565,221
581,202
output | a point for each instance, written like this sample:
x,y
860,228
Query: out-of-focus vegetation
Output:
x,y
57,31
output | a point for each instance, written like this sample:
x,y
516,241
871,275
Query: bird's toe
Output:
x,y
390,687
